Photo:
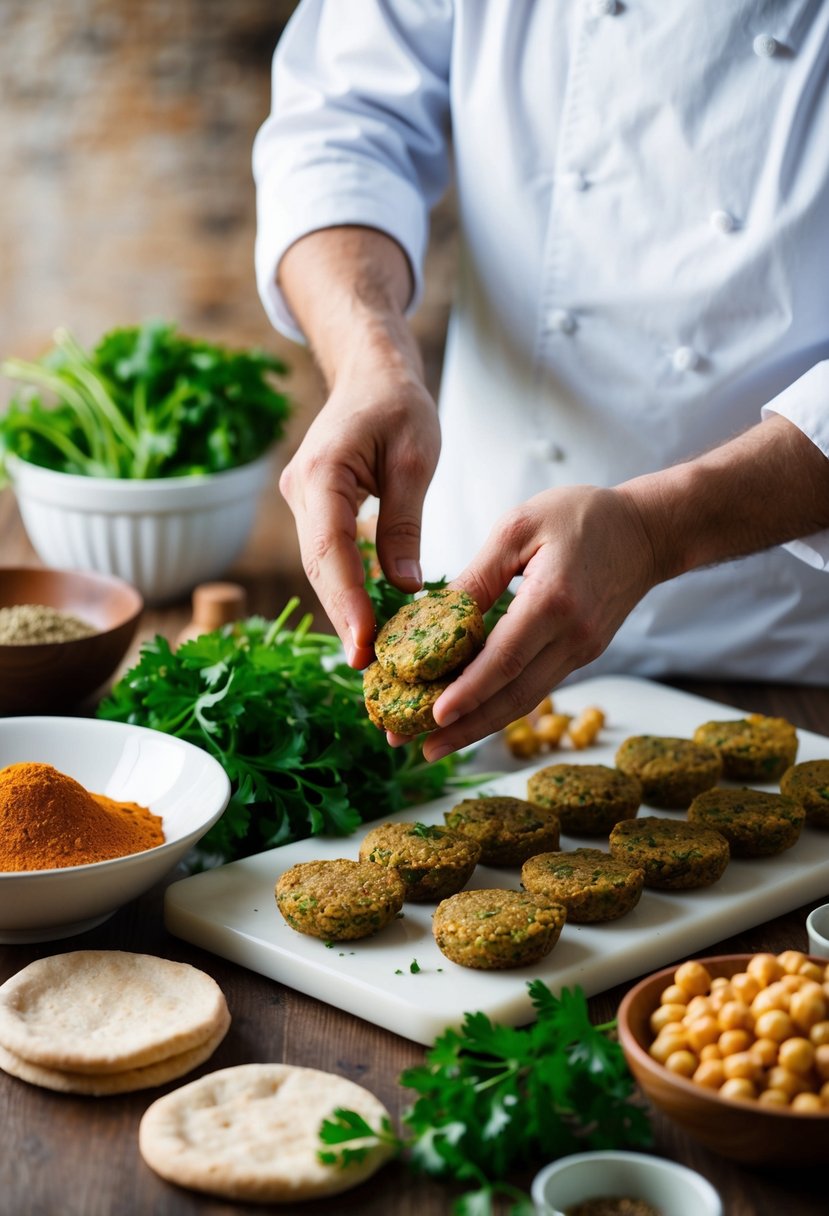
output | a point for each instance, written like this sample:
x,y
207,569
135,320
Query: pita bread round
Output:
x,y
148,1077
252,1133
104,1011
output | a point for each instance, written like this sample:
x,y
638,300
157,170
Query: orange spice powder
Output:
x,y
48,820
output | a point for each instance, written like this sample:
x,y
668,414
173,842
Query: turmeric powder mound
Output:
x,y
48,821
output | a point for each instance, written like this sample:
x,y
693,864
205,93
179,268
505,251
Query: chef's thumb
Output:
x,y
398,539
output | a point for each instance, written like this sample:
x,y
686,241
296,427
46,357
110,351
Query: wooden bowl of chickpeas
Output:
x,y
735,1049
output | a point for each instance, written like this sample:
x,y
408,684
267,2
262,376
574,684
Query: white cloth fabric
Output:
x,y
643,200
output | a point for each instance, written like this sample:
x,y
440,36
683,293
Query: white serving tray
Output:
x,y
232,912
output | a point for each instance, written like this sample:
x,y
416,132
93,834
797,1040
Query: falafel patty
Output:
x,y
509,830
808,784
593,885
672,771
755,748
339,900
399,706
588,798
754,823
674,854
432,861
497,929
431,636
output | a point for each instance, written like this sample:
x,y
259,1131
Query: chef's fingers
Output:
x,y
507,703
325,503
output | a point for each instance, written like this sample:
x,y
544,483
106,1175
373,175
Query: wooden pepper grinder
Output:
x,y
214,605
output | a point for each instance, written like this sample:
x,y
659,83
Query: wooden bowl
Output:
x,y
52,677
744,1131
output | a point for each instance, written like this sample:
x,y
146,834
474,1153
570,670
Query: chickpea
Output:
x,y
521,739
824,1093
702,1031
720,982
665,1044
738,1087
586,727
719,997
822,1061
807,1008
765,968
544,706
711,1051
774,1024
764,1052
740,1064
550,728
682,1062
773,1097
819,1033
791,983
665,1014
791,960
735,1015
789,1082
698,1007
744,986
674,995
812,971
733,1040
710,1073
796,1054
807,1102
693,977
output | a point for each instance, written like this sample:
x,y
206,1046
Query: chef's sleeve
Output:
x,y
806,404
358,131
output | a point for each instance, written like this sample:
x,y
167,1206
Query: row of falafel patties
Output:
x,y
500,928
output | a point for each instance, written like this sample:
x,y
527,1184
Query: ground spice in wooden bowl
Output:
x,y
35,624
48,821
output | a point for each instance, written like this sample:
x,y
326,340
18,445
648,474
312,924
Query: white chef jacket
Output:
x,y
643,202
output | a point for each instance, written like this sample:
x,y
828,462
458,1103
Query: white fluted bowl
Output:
x,y
163,535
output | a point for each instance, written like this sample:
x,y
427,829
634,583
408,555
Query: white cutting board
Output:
x,y
232,912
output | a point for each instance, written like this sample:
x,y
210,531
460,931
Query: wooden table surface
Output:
x,y
76,1156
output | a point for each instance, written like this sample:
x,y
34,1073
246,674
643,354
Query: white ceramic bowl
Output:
x,y
176,780
672,1189
817,930
163,535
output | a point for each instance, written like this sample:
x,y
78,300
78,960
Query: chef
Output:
x,y
633,422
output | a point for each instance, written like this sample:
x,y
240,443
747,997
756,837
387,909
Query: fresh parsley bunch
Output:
x,y
493,1100
145,402
284,715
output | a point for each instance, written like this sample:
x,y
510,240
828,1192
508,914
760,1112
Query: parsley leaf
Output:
x,y
493,1100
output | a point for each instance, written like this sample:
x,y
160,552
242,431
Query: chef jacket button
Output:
x,y
685,359
722,221
765,46
604,8
547,449
562,321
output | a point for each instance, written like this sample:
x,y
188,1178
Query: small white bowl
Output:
x,y
673,1189
164,535
817,929
176,780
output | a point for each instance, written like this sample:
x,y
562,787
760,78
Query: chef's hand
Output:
x,y
586,561
378,434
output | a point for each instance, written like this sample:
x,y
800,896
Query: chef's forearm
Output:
x,y
348,288
766,486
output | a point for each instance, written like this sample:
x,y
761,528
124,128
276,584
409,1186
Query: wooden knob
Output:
x,y
214,605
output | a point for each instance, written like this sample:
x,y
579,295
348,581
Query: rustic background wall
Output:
x,y
125,137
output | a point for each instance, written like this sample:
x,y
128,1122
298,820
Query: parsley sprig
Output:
x,y
146,401
493,1100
